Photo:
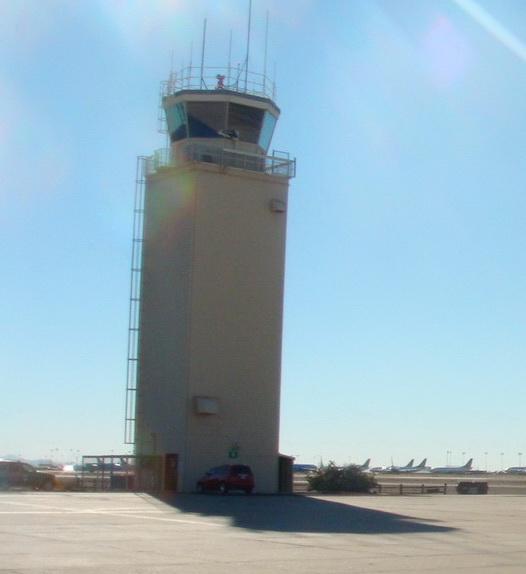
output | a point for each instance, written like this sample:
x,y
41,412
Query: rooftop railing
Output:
x,y
230,78
277,164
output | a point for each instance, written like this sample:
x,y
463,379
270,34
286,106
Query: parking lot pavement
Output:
x,y
138,534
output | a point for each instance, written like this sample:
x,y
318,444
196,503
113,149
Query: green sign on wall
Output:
x,y
234,451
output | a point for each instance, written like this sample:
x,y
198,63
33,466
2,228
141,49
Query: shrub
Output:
x,y
332,478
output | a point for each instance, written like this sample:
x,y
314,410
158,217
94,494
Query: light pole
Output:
x,y
520,458
501,461
486,460
463,457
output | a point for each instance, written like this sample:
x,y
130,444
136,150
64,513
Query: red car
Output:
x,y
226,478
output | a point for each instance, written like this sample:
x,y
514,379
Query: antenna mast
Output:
x,y
189,71
274,82
171,78
229,57
265,57
203,54
248,42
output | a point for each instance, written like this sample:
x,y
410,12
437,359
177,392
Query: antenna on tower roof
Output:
x,y
274,82
171,77
265,56
248,42
189,71
229,57
203,54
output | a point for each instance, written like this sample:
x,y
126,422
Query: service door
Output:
x,y
171,471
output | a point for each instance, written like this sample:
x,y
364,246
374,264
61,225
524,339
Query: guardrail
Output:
x,y
277,164
229,78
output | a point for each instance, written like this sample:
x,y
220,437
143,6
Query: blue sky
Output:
x,y
405,299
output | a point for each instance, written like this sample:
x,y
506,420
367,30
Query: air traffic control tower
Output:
x,y
207,283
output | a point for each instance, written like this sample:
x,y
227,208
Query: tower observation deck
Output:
x,y
221,117
207,324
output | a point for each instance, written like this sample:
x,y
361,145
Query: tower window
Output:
x,y
176,121
247,121
267,129
206,119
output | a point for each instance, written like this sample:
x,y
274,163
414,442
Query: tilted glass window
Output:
x,y
176,121
267,129
246,121
206,119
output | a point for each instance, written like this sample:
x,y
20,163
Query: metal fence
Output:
x,y
411,488
108,472
121,473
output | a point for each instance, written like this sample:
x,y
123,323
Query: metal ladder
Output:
x,y
135,303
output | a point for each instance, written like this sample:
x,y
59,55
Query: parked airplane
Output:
x,y
393,468
516,470
364,466
304,468
418,468
378,469
453,469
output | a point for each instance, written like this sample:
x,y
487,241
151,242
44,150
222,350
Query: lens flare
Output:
x,y
447,51
493,27
169,222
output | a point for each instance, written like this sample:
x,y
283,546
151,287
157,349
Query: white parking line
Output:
x,y
66,509
33,512
119,512
129,514
31,504
181,520
71,511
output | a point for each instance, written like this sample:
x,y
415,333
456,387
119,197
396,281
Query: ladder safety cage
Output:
x,y
134,306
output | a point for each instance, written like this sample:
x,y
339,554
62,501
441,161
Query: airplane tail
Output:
x,y
365,465
410,463
422,464
468,464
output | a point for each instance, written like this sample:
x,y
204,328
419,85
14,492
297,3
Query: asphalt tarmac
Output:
x,y
126,533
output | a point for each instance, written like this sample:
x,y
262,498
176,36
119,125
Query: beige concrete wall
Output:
x,y
212,318
164,322
237,302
